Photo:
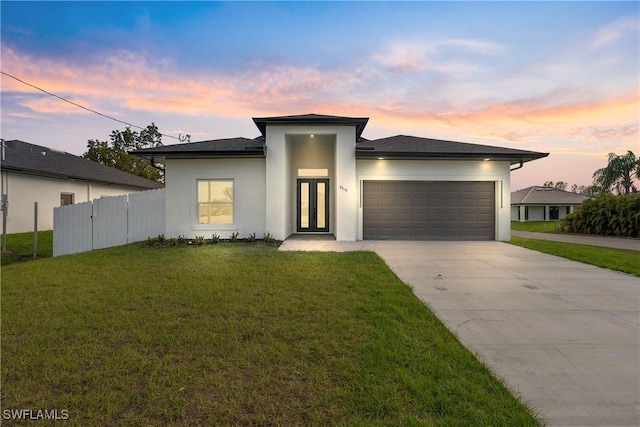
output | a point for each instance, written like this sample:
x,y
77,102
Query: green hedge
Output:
x,y
606,215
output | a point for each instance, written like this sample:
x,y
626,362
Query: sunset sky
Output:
x,y
558,77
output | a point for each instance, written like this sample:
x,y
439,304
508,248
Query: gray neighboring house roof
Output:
x,y
395,147
545,196
23,157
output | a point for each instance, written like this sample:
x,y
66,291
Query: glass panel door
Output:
x,y
321,219
313,205
304,205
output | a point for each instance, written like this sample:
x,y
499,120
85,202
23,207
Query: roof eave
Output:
x,y
208,155
395,155
205,154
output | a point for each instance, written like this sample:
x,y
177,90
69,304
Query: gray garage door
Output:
x,y
419,210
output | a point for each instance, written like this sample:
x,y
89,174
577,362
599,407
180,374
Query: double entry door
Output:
x,y
313,205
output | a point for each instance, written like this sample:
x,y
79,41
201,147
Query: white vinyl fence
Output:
x,y
107,222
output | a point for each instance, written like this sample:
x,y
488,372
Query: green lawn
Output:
x,y
613,259
235,335
20,246
537,226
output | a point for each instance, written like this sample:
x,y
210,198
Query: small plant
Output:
x,y
268,237
234,236
172,241
252,237
159,240
199,241
181,240
215,238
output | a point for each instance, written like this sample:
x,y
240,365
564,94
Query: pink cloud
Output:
x,y
139,83
610,33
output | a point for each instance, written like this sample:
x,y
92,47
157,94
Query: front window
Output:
x,y
215,201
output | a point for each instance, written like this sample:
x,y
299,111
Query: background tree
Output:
x,y
586,190
619,173
560,185
115,155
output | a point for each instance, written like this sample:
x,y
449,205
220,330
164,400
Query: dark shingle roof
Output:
x,y
34,159
395,147
410,147
311,119
229,147
543,196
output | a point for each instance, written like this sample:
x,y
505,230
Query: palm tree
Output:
x,y
619,173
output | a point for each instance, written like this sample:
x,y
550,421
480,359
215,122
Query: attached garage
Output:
x,y
429,210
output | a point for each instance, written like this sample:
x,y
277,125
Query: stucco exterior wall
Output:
x,y
23,190
443,170
312,153
514,213
540,212
281,181
249,201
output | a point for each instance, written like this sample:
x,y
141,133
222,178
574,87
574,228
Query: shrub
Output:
x,y
268,237
215,238
199,241
252,237
234,236
606,215
159,240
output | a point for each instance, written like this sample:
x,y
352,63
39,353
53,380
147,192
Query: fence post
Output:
x,y
5,205
35,229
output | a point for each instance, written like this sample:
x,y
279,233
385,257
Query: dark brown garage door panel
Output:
x,y
428,210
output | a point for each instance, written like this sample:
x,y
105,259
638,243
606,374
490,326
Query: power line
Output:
x,y
179,137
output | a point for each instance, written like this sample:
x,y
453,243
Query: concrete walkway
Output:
x,y
606,242
564,335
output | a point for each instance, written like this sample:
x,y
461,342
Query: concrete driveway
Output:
x,y
564,335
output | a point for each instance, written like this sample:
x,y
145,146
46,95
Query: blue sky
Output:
x,y
559,77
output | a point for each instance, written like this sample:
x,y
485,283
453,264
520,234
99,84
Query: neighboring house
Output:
x,y
315,174
32,173
543,204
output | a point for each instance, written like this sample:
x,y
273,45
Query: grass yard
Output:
x,y
613,259
537,226
235,335
20,246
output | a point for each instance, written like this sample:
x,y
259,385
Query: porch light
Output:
x,y
312,135
380,158
487,159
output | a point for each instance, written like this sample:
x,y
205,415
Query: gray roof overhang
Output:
x,y
235,154
368,154
311,120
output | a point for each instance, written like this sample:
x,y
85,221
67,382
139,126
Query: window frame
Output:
x,y
215,203
73,198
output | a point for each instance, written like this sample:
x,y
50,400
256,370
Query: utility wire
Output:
x,y
179,138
